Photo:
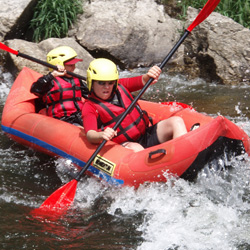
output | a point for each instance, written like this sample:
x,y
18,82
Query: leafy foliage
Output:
x,y
53,18
238,10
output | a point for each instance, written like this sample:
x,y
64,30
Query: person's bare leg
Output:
x,y
136,147
170,128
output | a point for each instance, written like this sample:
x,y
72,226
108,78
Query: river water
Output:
x,y
213,213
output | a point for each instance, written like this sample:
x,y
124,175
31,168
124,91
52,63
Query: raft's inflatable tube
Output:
x,y
183,156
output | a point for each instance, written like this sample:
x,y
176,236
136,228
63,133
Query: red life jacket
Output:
x,y
134,124
64,99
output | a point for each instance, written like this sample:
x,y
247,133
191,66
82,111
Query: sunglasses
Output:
x,y
102,83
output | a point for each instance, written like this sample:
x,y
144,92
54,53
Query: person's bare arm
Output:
x,y
97,137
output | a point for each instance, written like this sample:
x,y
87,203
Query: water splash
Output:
x,y
6,79
212,212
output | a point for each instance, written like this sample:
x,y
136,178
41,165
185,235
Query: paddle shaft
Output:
x,y
166,59
203,14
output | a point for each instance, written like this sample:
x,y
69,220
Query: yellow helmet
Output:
x,y
101,69
62,55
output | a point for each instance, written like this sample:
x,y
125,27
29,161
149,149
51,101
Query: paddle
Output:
x,y
62,198
17,53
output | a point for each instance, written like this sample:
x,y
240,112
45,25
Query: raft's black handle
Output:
x,y
158,151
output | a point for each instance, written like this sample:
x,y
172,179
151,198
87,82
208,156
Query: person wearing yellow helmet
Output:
x,y
110,96
63,55
60,92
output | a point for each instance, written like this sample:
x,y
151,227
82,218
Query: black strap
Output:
x,y
61,101
116,118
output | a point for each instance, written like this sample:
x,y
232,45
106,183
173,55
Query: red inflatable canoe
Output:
x,y
183,156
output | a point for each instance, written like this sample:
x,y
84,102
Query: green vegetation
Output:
x,y
53,18
238,10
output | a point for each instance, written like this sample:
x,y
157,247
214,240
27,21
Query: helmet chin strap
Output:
x,y
114,89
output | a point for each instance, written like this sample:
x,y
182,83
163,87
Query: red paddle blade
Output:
x,y
6,48
204,13
59,201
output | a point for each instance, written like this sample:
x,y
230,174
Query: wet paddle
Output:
x,y
17,53
62,198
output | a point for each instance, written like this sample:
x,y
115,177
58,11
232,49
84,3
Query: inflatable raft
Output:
x,y
184,156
